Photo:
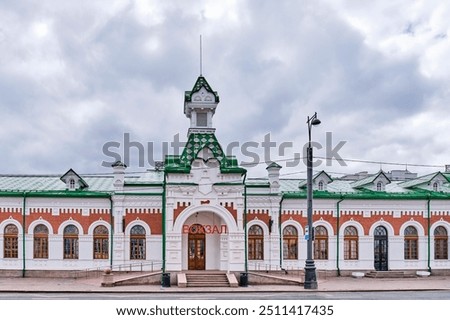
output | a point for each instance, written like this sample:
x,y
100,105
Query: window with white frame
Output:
x,y
290,243
440,243
11,241
320,185
379,186
411,243
435,186
255,243
320,243
72,184
70,239
40,242
137,243
350,243
101,242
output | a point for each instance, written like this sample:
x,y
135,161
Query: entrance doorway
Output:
x,y
196,247
381,249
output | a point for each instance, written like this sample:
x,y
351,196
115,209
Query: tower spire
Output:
x,y
201,56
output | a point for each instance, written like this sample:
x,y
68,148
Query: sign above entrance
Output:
x,y
204,229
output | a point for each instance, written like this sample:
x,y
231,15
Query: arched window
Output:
x,y
440,243
350,243
320,243
436,186
411,243
255,243
379,186
380,249
72,184
40,242
70,237
11,242
137,243
320,185
101,242
290,243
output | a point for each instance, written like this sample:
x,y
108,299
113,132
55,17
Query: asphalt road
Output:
x,y
384,295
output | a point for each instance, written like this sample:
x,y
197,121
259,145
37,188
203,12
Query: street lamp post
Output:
x,y
310,268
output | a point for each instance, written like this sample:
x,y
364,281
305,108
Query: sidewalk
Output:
x,y
325,285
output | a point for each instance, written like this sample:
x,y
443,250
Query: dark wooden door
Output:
x,y
196,248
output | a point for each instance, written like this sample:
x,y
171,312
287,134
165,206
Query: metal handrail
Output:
x,y
265,267
145,266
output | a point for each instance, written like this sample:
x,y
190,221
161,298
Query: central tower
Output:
x,y
204,207
200,105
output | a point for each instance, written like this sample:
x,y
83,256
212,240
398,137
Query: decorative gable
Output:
x,y
200,84
73,181
432,182
202,146
320,181
435,184
203,96
375,182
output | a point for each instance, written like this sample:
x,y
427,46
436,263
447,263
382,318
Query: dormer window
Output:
x,y
435,186
320,185
379,186
73,181
320,181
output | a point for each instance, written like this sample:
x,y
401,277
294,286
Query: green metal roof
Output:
x,y
274,165
196,143
200,83
150,177
51,183
55,194
368,180
102,186
424,179
257,182
287,185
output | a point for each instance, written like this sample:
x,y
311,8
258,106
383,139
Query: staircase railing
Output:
x,y
145,266
268,268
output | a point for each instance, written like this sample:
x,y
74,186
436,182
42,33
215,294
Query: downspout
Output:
x,y
164,224
23,235
279,231
429,235
111,221
245,226
338,226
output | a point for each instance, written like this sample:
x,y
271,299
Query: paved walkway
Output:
x,y
329,284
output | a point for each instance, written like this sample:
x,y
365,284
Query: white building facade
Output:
x,y
200,211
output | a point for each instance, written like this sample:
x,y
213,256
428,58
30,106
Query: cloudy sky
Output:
x,y
77,75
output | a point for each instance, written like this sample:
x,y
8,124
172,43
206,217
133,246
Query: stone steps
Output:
x,y
216,279
390,274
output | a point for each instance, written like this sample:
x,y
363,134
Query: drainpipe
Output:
x,y
279,231
112,231
429,235
23,234
338,225
245,226
164,224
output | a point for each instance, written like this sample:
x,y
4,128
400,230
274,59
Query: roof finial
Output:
x,y
201,58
